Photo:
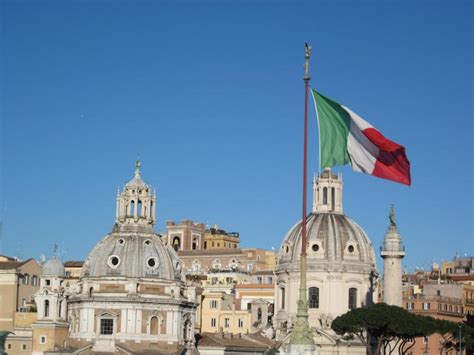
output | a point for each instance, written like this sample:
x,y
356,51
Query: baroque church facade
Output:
x,y
131,298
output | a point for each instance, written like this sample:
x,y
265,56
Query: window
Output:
x,y
113,261
213,304
333,198
240,323
282,297
425,340
270,280
352,298
46,308
139,208
325,196
426,306
42,339
152,263
9,346
426,353
48,282
410,305
226,323
313,297
213,322
34,280
259,280
154,325
23,346
106,326
176,243
131,212
315,247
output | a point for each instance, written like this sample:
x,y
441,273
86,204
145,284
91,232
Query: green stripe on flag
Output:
x,y
334,126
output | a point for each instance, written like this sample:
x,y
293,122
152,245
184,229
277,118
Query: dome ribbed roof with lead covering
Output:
x,y
331,237
132,255
53,267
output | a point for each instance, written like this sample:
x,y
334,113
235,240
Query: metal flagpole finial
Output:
x,y
307,55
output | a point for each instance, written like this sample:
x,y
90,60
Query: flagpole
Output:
x,y
302,336
319,134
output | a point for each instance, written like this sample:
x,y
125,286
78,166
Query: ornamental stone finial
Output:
x,y
391,216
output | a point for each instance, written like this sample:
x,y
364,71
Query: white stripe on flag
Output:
x,y
362,151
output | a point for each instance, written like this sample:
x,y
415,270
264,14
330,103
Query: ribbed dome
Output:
x,y
331,237
132,254
53,267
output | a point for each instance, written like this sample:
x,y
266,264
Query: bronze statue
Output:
x,y
3,338
391,216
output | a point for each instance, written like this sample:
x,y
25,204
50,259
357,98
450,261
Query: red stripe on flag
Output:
x,y
392,162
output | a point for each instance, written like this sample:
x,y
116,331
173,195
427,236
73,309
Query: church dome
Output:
x,y
132,254
53,267
331,236
133,249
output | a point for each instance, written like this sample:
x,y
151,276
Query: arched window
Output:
x,y
91,291
34,280
333,198
26,279
154,326
131,211
46,308
195,243
325,195
139,208
176,243
313,297
352,298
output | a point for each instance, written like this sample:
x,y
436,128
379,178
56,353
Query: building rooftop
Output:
x,y
6,265
73,263
237,342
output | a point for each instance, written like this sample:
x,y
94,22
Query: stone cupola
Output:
x,y
136,204
327,192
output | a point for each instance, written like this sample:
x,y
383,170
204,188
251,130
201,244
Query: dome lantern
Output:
x,y
327,192
136,205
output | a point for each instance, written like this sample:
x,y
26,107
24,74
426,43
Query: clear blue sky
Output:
x,y
210,94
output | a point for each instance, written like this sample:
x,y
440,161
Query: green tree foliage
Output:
x,y
391,328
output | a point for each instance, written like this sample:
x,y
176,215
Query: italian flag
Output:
x,y
345,138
